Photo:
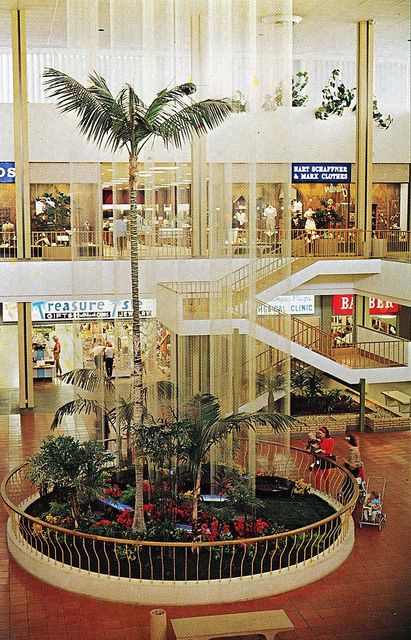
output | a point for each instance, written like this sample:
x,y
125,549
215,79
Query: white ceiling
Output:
x,y
328,26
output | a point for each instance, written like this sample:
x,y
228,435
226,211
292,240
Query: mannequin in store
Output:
x,y
241,216
270,215
296,207
310,226
8,232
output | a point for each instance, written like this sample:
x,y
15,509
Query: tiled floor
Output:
x,y
365,599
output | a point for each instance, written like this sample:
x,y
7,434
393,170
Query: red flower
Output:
x,y
239,527
125,519
114,491
260,526
103,523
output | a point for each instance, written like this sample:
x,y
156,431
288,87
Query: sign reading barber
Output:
x,y
7,172
316,172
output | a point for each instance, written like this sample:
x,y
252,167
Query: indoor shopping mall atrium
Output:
x,y
205,319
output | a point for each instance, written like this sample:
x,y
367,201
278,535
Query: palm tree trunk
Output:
x,y
196,498
138,397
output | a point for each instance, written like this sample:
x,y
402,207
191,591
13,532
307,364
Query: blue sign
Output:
x,y
7,172
317,172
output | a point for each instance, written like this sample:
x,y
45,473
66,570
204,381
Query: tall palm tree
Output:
x,y
125,122
205,426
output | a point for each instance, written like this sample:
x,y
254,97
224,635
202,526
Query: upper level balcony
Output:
x,y
178,242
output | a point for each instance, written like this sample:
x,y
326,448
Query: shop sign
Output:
x,y
343,305
293,305
81,310
315,172
7,172
378,307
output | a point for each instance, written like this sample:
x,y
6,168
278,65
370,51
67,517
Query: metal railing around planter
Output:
x,y
194,561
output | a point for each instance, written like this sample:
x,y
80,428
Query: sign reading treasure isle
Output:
x,y
326,172
81,310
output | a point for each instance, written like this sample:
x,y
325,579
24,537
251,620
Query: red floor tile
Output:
x,y
367,598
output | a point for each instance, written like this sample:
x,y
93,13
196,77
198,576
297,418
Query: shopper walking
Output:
x,y
97,351
56,355
353,464
109,359
120,234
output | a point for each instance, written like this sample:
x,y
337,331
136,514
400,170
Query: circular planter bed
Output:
x,y
282,512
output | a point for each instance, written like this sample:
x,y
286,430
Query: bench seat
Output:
x,y
399,398
267,623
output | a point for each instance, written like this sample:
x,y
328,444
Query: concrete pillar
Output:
x,y
364,127
25,338
20,123
198,147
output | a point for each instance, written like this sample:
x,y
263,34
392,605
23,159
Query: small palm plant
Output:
x,y
205,426
126,122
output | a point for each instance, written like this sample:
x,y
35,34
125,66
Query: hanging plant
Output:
x,y
382,123
54,212
271,103
298,85
325,216
299,82
336,97
240,100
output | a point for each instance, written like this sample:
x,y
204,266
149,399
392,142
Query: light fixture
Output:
x,y
279,18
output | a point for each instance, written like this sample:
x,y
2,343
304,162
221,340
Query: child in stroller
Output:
x,y
372,508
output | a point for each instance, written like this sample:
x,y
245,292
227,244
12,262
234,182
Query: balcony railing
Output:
x,y
171,562
357,355
177,242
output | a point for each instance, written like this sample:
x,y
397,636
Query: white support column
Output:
x,y
364,124
20,123
25,338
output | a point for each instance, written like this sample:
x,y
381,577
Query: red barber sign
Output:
x,y
343,305
378,307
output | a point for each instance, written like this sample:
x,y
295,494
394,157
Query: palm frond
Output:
x,y
101,118
125,411
176,95
88,379
179,126
203,409
79,405
165,389
277,421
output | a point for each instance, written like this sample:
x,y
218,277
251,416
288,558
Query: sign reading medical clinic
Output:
x,y
81,310
7,172
294,305
316,172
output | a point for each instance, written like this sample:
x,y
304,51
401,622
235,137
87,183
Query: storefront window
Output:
x,y
163,205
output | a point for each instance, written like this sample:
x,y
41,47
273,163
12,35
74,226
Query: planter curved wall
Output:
x,y
147,592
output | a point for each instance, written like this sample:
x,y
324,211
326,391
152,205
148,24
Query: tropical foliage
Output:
x,y
126,122
335,97
53,214
310,396
75,472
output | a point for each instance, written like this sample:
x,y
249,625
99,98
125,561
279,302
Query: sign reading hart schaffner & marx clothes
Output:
x,y
321,172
